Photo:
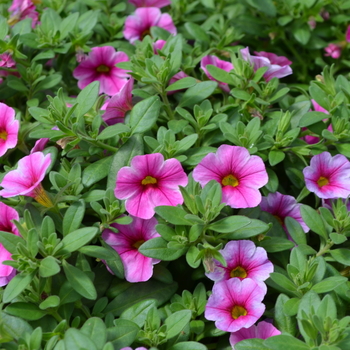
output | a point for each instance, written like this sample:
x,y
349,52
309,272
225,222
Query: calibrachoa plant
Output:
x,y
174,175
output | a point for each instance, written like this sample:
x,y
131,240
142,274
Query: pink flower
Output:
x,y
21,9
100,66
137,267
333,50
119,104
7,214
278,66
327,176
26,179
240,175
213,60
235,304
262,330
158,45
150,3
8,128
244,260
347,34
138,25
149,182
7,61
281,206
129,348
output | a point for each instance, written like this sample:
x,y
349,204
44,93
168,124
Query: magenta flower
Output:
x,y
333,50
137,267
281,206
21,9
8,128
7,214
158,45
244,260
129,348
100,66
235,304
262,330
278,66
213,60
347,34
119,104
150,3
327,176
149,182
240,175
26,179
138,25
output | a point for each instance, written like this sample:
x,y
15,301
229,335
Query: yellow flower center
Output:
x,y
149,180
137,244
238,311
103,69
230,180
279,219
322,181
238,271
3,135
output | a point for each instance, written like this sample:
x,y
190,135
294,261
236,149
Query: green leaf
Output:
x,y
77,239
328,284
79,281
51,301
343,148
144,114
279,94
75,339
310,118
73,217
49,267
254,228
313,220
229,224
279,342
15,327
295,230
27,311
10,241
113,130
96,330
188,345
283,281
196,32
138,312
123,334
174,215
197,93
176,322
16,286
276,157
49,82
181,84
67,294
251,344
97,252
290,308
220,74
157,248
96,171
265,6
276,244
87,98
302,34
3,27
284,322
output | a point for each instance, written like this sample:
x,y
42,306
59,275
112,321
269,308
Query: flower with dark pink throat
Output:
x,y
138,25
240,175
278,66
213,60
244,260
26,179
150,3
235,304
100,65
137,267
333,50
9,127
21,9
149,182
119,104
327,176
7,214
262,330
280,206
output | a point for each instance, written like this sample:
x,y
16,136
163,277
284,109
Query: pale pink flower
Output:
x,y
138,25
347,34
9,127
281,206
137,267
278,66
21,9
262,330
244,260
149,182
327,176
240,175
7,214
333,50
26,179
119,104
150,3
235,304
100,66
213,60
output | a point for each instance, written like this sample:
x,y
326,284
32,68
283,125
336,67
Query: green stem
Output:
x,y
167,107
325,249
105,146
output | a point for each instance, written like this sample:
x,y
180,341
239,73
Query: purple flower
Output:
x,y
347,34
333,50
262,330
9,127
244,260
21,9
138,25
213,60
149,182
100,66
327,176
278,66
235,304
137,267
158,45
150,3
240,175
